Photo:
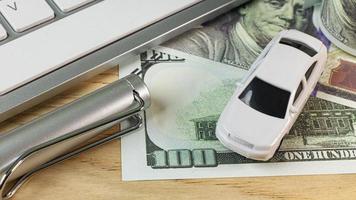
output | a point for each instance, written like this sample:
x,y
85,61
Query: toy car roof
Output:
x,y
288,60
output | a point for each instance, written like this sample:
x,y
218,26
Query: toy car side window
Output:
x,y
310,71
298,92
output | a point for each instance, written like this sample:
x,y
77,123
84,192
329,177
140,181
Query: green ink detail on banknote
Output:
x,y
208,102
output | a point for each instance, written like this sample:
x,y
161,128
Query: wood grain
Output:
x,y
96,174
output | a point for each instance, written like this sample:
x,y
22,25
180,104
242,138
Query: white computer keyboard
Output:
x,y
49,47
26,14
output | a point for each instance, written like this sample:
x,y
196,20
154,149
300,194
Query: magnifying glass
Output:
x,y
66,132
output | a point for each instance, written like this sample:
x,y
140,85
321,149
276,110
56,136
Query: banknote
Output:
x,y
238,37
338,82
178,139
338,23
189,92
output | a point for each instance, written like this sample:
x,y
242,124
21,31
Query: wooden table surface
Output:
x,y
96,174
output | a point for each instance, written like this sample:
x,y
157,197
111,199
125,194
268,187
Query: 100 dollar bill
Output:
x,y
178,141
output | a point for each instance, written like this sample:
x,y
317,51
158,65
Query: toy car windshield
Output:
x,y
266,98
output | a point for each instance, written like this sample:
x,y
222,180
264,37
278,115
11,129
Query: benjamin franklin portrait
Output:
x,y
238,37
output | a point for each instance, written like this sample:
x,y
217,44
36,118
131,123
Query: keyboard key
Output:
x,y
25,14
69,5
3,33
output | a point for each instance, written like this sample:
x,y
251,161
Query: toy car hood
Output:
x,y
250,132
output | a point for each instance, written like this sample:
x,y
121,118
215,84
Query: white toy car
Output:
x,y
269,100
